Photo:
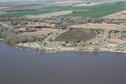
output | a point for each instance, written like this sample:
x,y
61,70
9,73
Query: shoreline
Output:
x,y
71,49
65,49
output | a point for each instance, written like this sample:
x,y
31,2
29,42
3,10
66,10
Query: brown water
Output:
x,y
19,67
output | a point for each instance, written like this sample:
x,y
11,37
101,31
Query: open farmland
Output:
x,y
105,26
119,21
117,16
96,10
32,12
76,35
50,14
86,4
3,7
43,31
100,10
110,1
60,25
2,12
33,24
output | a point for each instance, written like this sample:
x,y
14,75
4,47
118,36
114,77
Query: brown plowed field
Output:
x,y
76,35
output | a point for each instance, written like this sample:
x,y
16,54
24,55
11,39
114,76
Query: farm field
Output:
x,y
43,10
100,10
95,11
119,21
100,26
43,31
80,35
39,29
39,24
50,14
85,4
32,12
60,25
117,16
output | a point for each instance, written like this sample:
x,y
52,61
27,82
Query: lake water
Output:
x,y
17,66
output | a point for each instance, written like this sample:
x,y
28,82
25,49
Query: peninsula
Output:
x,y
62,26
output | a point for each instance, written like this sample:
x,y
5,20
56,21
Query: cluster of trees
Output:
x,y
80,20
64,22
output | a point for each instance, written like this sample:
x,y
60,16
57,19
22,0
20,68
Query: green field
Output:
x,y
100,10
95,11
34,12
44,10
